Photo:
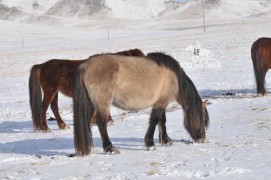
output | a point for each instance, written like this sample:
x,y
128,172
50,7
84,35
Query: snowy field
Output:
x,y
238,139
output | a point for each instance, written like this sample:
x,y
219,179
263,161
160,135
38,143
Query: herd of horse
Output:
x,y
129,80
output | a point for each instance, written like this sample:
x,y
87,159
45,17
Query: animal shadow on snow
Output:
x,y
16,127
38,147
64,146
138,143
208,93
20,126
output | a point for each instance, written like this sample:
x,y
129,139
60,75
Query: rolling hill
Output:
x,y
55,11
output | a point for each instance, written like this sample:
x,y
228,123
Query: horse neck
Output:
x,y
188,94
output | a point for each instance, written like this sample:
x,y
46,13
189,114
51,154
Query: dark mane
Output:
x,y
163,59
190,100
131,52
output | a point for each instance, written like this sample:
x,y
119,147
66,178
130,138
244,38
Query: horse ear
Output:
x,y
204,104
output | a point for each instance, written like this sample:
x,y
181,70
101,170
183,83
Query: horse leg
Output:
x,y
54,106
262,90
45,104
164,139
93,119
154,119
102,120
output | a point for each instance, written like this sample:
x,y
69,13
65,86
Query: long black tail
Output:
x,y
35,95
83,111
258,67
195,120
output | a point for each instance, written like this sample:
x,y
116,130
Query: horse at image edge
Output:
x,y
261,59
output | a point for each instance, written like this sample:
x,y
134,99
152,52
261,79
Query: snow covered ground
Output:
x,y
238,139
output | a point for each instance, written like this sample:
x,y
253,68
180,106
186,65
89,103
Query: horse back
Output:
x,y
132,82
58,74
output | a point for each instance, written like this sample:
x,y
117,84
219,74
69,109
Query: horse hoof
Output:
x,y
151,148
64,126
200,140
167,143
46,130
112,150
42,129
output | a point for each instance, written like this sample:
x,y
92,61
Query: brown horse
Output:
x,y
134,83
53,76
261,58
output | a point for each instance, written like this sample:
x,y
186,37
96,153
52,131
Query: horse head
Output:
x,y
205,113
206,122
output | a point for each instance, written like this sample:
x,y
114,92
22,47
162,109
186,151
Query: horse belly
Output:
x,y
67,92
132,103
66,86
136,93
144,96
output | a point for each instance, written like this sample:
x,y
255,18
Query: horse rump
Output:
x,y
258,59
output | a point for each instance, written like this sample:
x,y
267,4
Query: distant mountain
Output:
x,y
11,13
54,11
76,8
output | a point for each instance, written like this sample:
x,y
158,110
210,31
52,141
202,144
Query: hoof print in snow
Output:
x,y
71,155
229,94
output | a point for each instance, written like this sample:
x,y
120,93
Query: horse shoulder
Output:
x,y
170,88
100,69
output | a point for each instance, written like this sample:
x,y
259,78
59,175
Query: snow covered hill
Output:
x,y
239,136
78,8
49,11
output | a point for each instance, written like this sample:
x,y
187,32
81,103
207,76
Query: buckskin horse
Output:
x,y
51,77
261,59
134,83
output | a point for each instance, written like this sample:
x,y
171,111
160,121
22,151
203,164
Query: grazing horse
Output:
x,y
261,58
54,76
134,83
